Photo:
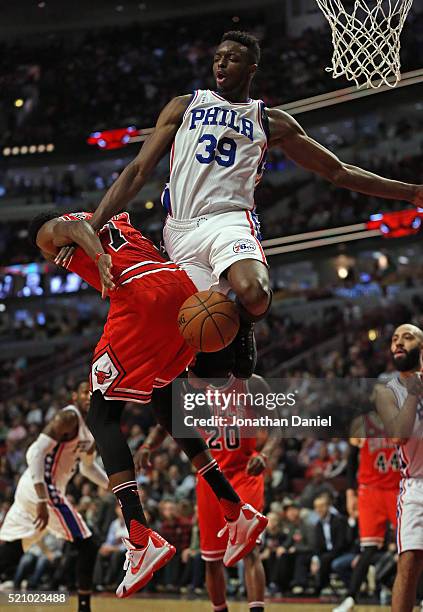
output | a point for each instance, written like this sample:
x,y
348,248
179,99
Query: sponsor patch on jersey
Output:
x,y
244,246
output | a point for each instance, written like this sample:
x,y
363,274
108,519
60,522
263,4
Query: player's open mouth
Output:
x,y
400,353
220,78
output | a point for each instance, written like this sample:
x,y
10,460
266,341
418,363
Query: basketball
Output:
x,y
208,321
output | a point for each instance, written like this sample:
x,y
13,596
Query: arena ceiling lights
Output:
x,y
25,149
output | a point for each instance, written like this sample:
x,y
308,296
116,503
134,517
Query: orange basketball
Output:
x,y
209,321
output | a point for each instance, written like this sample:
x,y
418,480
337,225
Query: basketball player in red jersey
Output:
x,y
378,477
219,141
140,350
242,465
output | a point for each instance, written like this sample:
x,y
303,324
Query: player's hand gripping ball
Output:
x,y
208,321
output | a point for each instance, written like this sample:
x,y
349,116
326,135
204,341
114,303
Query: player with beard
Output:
x,y
400,406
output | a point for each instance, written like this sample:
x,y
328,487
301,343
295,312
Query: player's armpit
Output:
x,y
64,424
135,175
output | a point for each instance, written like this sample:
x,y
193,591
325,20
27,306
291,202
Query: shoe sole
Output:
x,y
141,583
252,542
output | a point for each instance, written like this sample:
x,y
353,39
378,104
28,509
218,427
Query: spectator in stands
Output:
x,y
330,539
176,530
293,556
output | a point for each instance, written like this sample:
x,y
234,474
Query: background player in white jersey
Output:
x,y
40,499
218,144
400,406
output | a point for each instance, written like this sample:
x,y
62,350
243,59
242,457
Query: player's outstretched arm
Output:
x,y
287,133
135,175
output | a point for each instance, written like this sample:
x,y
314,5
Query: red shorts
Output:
x,y
376,507
141,346
210,515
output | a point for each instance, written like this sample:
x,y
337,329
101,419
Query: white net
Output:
x,y
366,39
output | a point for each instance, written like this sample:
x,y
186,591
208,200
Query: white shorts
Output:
x,y
410,515
206,246
64,521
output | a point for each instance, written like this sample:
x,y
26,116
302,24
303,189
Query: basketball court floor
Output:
x,y
140,604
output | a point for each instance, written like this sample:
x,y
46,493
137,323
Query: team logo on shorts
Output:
x,y
104,372
102,376
244,246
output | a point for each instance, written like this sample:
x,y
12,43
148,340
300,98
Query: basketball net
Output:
x,y
366,39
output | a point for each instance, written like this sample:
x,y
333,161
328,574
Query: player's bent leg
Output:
x,y
242,519
146,550
255,580
410,566
216,585
249,278
194,446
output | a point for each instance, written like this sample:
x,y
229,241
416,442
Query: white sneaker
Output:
x,y
243,534
7,586
141,563
347,605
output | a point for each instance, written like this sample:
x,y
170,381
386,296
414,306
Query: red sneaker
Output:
x,y
141,563
243,534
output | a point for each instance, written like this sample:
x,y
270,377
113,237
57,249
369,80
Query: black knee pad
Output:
x,y
104,423
87,553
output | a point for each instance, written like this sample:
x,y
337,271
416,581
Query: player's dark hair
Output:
x,y
246,39
81,381
36,224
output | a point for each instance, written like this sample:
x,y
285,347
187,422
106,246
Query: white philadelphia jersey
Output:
x,y
217,157
411,453
61,463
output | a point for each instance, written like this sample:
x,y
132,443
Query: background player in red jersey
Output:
x,y
243,466
375,463
140,350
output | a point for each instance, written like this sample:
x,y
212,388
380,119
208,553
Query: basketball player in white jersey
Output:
x,y
218,141
40,500
400,406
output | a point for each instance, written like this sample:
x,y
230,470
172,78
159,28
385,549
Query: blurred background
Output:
x,y
103,72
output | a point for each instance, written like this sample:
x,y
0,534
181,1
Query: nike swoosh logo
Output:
x,y
135,569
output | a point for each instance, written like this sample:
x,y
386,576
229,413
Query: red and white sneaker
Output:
x,y
141,563
243,534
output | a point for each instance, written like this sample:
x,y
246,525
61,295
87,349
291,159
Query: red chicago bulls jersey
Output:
x,y
379,463
133,255
228,446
